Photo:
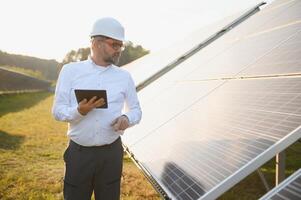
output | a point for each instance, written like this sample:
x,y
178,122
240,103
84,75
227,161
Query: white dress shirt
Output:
x,y
94,129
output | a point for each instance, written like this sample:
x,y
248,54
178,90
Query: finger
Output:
x,y
116,128
91,101
117,125
126,119
84,101
123,125
99,102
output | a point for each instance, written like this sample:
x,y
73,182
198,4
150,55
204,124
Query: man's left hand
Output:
x,y
121,123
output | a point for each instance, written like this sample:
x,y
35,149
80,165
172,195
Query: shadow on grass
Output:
x,y
10,142
17,102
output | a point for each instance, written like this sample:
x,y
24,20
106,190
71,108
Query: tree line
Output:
x,y
50,68
129,54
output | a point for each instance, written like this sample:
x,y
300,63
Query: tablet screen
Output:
x,y
89,94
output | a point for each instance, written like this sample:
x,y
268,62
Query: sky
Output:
x,y
51,28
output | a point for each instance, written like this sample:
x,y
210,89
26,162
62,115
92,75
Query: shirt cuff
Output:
x,y
76,116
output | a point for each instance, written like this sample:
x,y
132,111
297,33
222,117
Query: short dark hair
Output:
x,y
99,36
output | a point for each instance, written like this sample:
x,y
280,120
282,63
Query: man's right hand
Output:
x,y
86,106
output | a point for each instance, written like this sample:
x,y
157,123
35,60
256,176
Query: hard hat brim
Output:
x,y
115,38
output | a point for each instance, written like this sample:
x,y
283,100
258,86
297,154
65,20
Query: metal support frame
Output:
x,y
280,167
264,181
280,171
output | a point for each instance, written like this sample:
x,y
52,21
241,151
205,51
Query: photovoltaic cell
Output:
x,y
284,59
155,61
288,189
178,98
220,134
274,16
204,127
251,46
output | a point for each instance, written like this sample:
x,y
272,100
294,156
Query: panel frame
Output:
x,y
160,188
254,164
284,183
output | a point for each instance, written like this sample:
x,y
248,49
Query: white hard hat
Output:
x,y
108,27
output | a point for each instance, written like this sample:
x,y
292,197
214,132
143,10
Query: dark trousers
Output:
x,y
91,169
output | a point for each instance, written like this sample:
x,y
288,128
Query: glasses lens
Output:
x,y
115,45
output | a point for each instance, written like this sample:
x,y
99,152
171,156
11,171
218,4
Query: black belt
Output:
x,y
95,147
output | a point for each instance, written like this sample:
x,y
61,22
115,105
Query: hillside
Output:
x,y
48,68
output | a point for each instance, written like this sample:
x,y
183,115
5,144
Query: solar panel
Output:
x,y
179,74
283,59
288,189
154,62
250,45
216,136
204,127
183,97
12,82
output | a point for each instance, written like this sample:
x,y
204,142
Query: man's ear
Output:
x,y
93,41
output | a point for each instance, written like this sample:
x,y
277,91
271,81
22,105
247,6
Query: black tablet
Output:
x,y
89,94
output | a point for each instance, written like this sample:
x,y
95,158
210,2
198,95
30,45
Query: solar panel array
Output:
x,y
225,111
154,62
288,189
12,82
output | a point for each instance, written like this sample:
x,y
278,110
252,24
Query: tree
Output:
x,y
130,53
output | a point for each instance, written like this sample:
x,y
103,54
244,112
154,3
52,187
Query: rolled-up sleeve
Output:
x,y
133,110
62,109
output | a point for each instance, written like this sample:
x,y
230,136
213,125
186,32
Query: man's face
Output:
x,y
111,50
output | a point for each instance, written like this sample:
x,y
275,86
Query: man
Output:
x,y
94,155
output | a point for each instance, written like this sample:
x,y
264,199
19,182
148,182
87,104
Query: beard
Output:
x,y
114,59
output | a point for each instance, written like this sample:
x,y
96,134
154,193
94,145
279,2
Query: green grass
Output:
x,y
31,163
12,103
31,148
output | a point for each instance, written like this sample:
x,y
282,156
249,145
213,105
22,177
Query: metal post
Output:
x,y
280,167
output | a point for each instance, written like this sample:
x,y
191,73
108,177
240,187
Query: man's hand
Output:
x,y
86,106
121,123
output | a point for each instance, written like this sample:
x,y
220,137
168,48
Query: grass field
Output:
x,y
31,163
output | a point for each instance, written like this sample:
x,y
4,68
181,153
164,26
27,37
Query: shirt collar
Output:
x,y
98,67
